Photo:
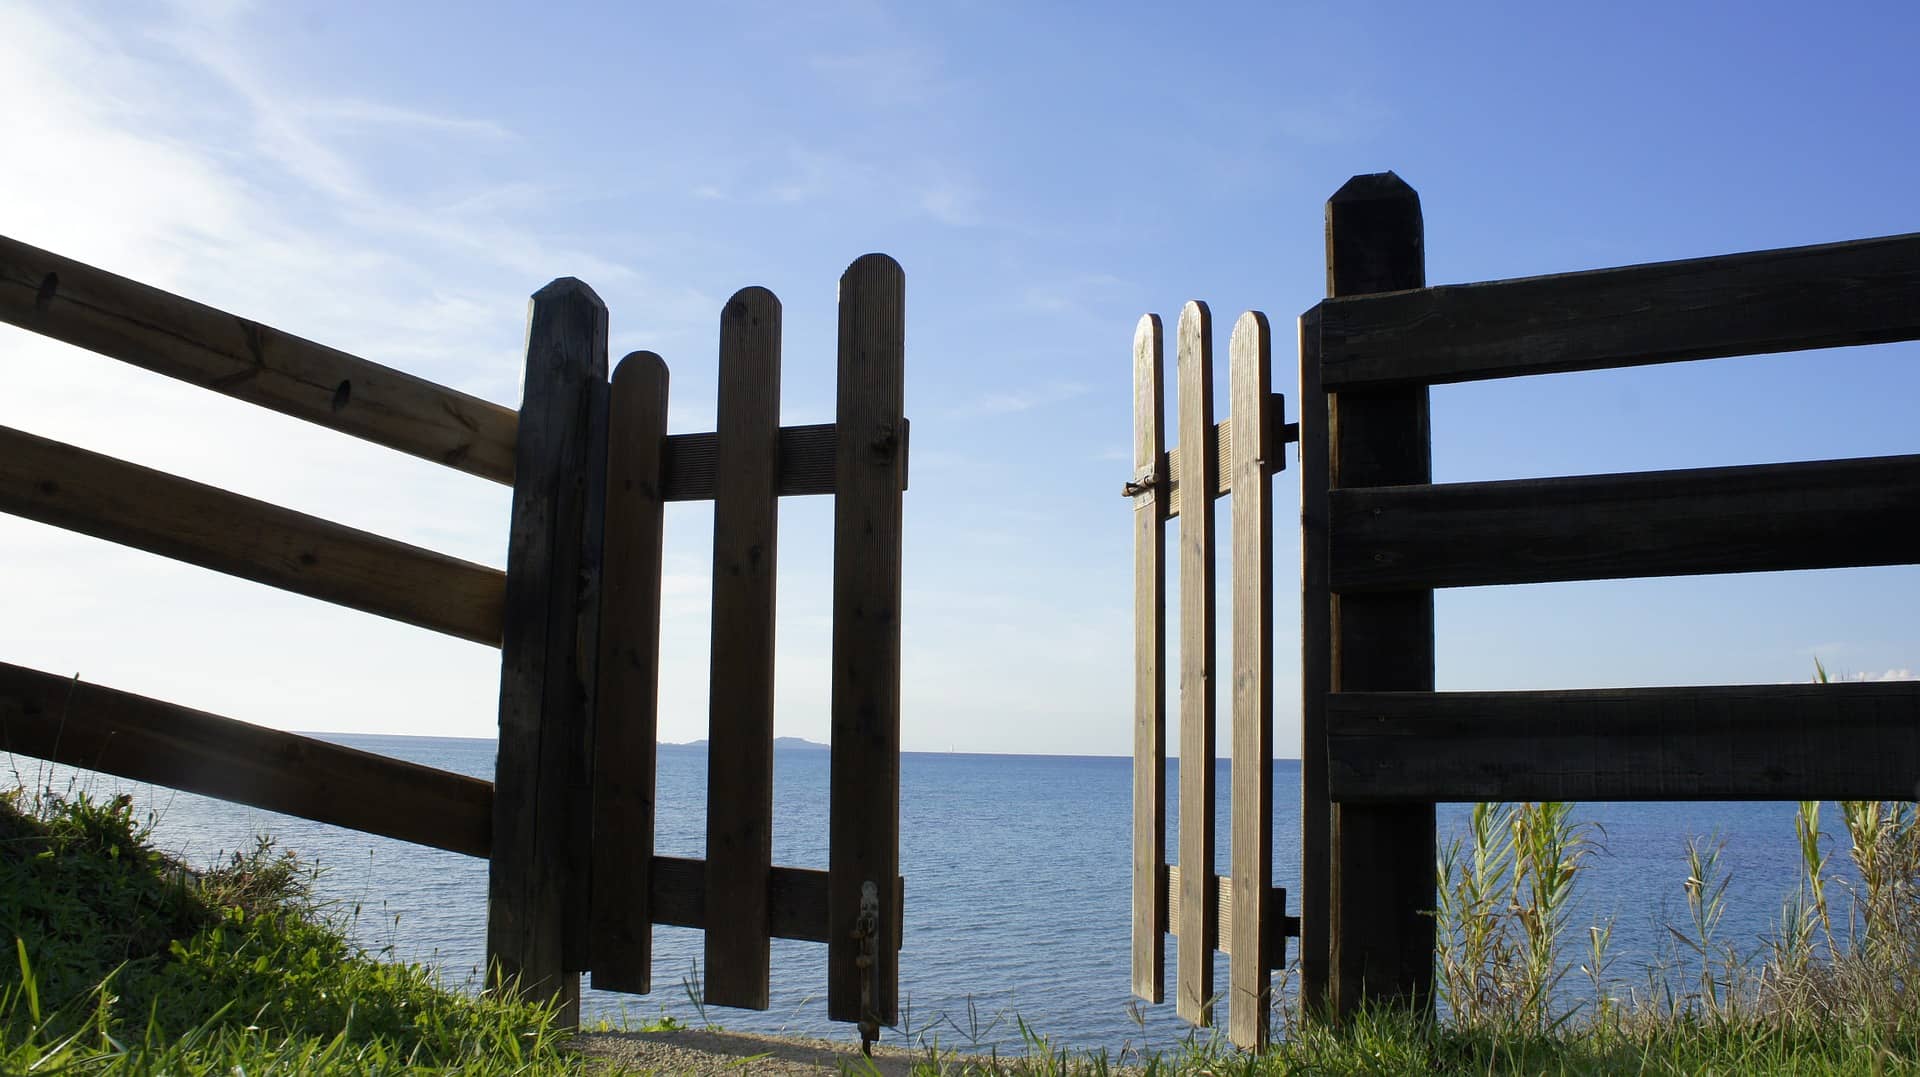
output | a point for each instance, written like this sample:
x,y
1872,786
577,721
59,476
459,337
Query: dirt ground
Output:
x,y
704,1053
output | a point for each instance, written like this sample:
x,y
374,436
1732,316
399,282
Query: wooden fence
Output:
x,y
1380,745
567,824
1241,915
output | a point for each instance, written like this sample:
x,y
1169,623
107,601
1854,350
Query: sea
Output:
x,y
1017,883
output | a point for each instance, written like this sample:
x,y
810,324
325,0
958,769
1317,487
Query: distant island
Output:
x,y
796,743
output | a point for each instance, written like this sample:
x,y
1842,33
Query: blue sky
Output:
x,y
395,180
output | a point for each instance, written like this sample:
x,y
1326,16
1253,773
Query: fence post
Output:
x,y
537,893
1368,869
863,919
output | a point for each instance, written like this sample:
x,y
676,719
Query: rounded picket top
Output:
x,y
641,368
1252,328
1196,318
749,302
1146,331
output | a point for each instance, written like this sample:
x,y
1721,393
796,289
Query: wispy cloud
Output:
x,y
1026,398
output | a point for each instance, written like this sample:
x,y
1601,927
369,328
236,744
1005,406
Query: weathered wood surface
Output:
x,y
538,903
150,510
1250,395
746,516
63,720
1193,987
1380,887
1316,670
1853,741
1220,446
1771,517
865,780
1273,940
807,459
1825,296
1150,922
626,719
797,899
73,302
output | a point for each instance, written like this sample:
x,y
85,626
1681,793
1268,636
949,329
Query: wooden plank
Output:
x,y
1853,741
1824,296
626,719
73,302
1381,889
865,782
807,458
1249,980
1316,672
150,510
797,899
537,897
1771,517
746,515
1149,665
1273,940
1193,985
64,720
1220,445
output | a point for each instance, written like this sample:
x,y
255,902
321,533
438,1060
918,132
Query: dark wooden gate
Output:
x,y
567,825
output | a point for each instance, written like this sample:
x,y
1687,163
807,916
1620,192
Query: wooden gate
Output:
x,y
567,824
1243,914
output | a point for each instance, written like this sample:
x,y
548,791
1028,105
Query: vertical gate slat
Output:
x,y
1149,664
1381,880
1316,674
1198,473
865,782
1254,450
740,744
626,720
537,900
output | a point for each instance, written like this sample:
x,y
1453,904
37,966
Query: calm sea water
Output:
x,y
1017,885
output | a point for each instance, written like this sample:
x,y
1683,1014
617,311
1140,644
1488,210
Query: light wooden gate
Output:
x,y
1241,914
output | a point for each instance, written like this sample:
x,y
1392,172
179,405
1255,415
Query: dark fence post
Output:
x,y
537,894
863,917
1368,870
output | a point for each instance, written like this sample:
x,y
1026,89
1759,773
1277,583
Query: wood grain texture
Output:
x,y
1220,445
1316,672
1759,302
1149,664
203,525
73,302
865,782
1380,886
538,908
63,720
1273,939
1852,741
1193,987
1771,517
807,460
796,899
627,694
1250,394
746,516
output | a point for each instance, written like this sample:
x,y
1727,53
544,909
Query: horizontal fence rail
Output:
x,y
63,720
1831,295
1853,741
1769,517
74,302
150,510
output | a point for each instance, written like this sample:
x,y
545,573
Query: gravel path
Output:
x,y
705,1053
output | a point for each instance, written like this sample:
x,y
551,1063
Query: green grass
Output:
x,y
119,961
